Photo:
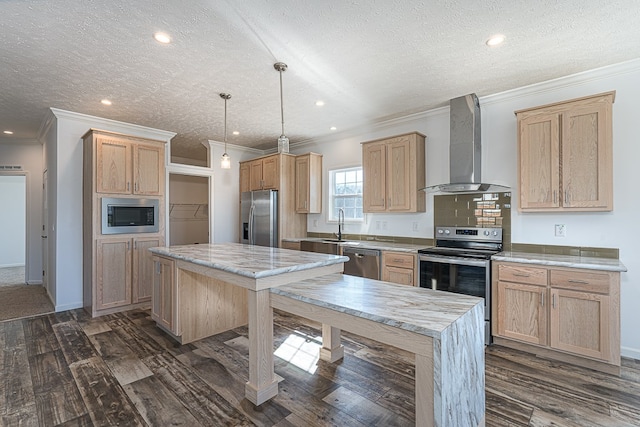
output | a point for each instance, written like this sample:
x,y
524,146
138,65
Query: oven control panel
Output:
x,y
469,233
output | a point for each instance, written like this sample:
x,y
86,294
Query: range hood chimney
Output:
x,y
465,152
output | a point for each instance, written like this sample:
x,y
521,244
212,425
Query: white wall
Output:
x,y
499,159
28,154
13,220
64,160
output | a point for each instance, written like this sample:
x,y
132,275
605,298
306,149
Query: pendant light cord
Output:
x,y
281,103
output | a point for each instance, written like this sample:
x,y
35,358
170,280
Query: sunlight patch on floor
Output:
x,y
301,350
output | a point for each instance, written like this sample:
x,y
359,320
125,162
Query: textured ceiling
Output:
x,y
367,60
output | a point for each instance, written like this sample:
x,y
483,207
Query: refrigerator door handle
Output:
x,y
251,237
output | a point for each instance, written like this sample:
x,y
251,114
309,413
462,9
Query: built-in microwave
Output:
x,y
123,216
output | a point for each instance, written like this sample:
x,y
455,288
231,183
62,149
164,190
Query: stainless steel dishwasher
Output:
x,y
362,262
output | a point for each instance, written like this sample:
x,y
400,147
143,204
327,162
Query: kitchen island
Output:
x,y
202,290
207,283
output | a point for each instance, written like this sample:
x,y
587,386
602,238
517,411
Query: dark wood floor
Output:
x,y
66,369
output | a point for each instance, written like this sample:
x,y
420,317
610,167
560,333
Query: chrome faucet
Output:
x,y
340,223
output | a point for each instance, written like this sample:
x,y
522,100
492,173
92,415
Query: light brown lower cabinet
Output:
x,y
191,306
123,271
573,313
164,294
399,267
290,245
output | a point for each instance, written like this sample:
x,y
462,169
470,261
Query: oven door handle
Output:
x,y
455,260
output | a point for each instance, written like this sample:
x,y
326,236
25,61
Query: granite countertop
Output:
x,y
415,309
248,260
368,244
589,263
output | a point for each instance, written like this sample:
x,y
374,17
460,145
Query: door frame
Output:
x,y
27,231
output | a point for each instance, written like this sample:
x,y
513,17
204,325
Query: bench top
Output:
x,y
423,311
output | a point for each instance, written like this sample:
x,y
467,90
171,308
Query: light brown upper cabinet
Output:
x,y
565,152
260,174
309,183
126,165
393,173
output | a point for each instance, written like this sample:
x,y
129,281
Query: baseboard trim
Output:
x,y
629,352
34,282
66,307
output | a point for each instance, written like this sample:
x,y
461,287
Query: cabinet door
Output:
x,y
399,172
113,273
148,169
255,179
586,158
374,167
271,173
522,313
113,166
142,278
164,300
245,177
580,323
402,276
302,184
539,172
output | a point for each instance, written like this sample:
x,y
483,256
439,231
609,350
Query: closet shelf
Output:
x,y
189,211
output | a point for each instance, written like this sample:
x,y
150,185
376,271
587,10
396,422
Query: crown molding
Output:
x,y
212,143
110,125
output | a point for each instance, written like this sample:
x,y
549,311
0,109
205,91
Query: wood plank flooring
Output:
x,y
66,369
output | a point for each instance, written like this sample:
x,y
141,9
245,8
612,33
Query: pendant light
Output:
x,y
225,161
283,141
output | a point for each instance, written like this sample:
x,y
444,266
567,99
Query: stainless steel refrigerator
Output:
x,y
259,218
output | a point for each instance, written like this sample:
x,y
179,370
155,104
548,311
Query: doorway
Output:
x,y
188,209
13,230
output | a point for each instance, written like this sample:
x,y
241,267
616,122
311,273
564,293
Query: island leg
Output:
x,y
331,349
262,384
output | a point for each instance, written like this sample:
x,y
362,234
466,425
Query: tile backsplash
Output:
x,y
475,210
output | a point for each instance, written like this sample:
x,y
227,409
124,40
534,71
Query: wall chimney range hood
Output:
x,y
465,149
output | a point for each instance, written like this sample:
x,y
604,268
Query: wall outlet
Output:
x,y
315,222
415,226
384,225
561,230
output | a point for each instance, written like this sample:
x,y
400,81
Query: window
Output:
x,y
346,194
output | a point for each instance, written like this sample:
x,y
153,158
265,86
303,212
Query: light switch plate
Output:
x,y
561,230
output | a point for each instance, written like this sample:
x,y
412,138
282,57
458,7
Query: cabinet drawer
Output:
x,y
522,274
580,280
395,259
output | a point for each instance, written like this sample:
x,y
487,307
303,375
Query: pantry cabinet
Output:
x,y
399,267
565,155
394,174
309,183
569,311
118,268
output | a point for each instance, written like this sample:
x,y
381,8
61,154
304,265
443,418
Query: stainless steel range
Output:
x,y
460,262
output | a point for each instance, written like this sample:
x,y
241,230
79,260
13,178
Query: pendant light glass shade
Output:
x,y
225,161
283,141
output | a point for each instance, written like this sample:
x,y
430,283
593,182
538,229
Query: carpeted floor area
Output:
x,y
21,301
11,276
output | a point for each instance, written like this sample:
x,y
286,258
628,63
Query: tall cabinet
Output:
x,y
118,268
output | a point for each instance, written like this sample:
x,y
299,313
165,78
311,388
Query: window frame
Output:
x,y
332,196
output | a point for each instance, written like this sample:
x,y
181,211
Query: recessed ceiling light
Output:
x,y
105,102
319,103
495,40
8,132
235,132
333,128
162,38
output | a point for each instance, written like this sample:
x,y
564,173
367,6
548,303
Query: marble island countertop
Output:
x,y
251,261
589,263
418,310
